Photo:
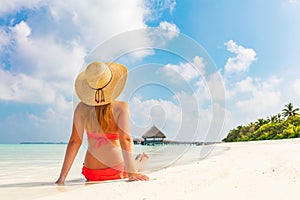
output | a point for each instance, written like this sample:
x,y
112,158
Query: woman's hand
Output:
x,y
138,177
60,181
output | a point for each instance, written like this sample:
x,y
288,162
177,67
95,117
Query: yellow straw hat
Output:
x,y
101,83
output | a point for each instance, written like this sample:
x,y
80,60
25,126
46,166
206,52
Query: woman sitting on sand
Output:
x,y
106,121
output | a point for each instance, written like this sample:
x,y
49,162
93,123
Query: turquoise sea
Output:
x,y
28,171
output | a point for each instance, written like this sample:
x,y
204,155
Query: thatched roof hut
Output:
x,y
153,136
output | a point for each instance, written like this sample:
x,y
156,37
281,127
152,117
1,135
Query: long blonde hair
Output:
x,y
99,118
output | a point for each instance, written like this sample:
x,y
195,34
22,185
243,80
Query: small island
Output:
x,y
43,143
281,126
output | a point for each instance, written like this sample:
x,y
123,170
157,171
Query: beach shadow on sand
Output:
x,y
73,182
70,183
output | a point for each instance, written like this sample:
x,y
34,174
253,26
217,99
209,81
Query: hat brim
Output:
x,y
87,94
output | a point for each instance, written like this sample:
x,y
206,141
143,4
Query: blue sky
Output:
x,y
253,44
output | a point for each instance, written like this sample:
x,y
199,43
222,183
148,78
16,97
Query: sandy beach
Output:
x,y
246,170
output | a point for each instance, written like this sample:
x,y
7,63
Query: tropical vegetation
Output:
x,y
280,126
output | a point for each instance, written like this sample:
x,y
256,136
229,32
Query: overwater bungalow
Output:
x,y
153,136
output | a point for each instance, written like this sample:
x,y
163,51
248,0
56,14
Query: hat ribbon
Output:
x,y
100,94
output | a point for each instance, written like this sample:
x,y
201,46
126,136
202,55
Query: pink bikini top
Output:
x,y
102,138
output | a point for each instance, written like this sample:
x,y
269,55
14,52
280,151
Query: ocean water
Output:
x,y
28,171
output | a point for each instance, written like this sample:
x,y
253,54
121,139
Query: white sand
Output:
x,y
252,170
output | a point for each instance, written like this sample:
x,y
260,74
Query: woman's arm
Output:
x,y
74,144
126,143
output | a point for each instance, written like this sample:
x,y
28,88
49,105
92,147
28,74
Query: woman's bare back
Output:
x,y
108,154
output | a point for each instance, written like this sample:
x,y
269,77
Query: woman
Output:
x,y
106,122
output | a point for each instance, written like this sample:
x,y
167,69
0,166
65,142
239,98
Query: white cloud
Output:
x,y
196,117
41,55
246,85
251,98
201,105
40,68
170,30
199,64
188,71
155,8
21,31
94,22
210,90
260,102
202,91
4,41
293,1
162,113
185,121
50,46
264,96
243,59
172,6
35,119
12,6
163,33
207,87
216,87
23,88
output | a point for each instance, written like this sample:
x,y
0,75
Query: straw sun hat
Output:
x,y
100,83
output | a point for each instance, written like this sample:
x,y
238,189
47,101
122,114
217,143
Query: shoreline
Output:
x,y
236,170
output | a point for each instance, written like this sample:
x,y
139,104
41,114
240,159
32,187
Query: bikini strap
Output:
x,y
103,138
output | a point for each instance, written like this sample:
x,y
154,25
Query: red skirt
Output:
x,y
117,172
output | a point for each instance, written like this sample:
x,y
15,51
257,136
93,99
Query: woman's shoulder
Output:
x,y
82,108
120,106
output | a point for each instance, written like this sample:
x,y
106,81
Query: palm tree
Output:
x,y
279,117
289,110
260,122
273,118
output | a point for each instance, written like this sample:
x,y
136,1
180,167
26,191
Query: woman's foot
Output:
x,y
141,161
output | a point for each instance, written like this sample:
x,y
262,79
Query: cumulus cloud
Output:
x,y
246,85
251,97
5,38
262,95
165,32
201,105
261,101
155,8
136,44
196,117
50,46
216,87
170,30
40,68
41,55
16,5
188,71
35,55
166,115
23,88
243,59
206,86
94,22
183,121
